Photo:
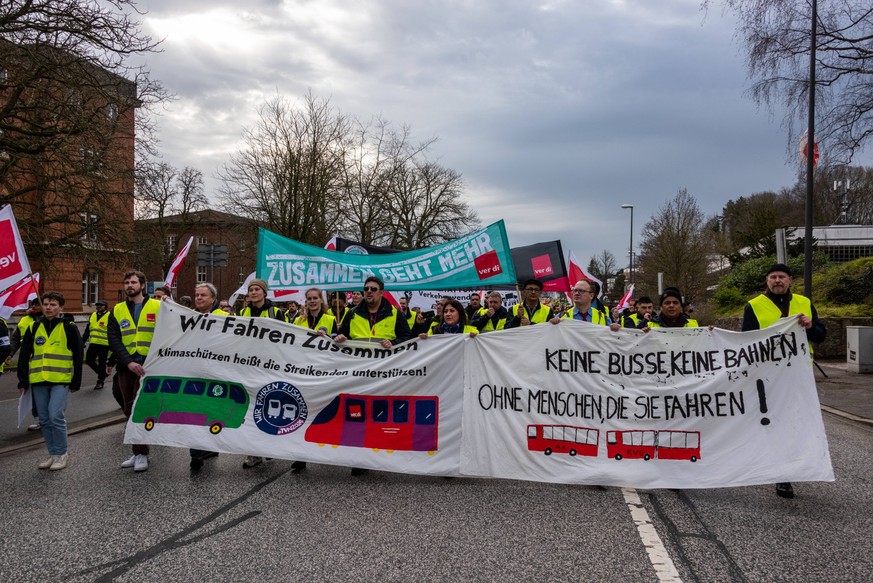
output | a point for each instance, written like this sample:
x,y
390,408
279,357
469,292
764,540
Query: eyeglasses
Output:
x,y
532,289
581,291
371,288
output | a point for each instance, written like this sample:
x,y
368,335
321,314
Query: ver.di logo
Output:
x,y
279,408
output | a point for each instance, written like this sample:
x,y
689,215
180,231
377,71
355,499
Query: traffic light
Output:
x,y
209,255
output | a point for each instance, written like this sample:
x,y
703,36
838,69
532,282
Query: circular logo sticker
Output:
x,y
279,408
124,324
40,340
355,250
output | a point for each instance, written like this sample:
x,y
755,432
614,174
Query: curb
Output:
x,y
846,415
80,427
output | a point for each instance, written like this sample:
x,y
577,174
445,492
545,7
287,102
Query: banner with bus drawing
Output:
x,y
571,403
263,387
674,408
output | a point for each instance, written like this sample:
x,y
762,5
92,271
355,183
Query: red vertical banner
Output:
x,y
13,260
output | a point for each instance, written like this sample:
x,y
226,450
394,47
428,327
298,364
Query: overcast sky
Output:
x,y
555,112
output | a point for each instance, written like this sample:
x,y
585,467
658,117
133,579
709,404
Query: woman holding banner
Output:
x,y
454,321
314,316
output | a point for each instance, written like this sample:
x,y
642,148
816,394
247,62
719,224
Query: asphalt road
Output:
x,y
97,522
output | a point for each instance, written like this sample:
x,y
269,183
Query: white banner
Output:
x,y
674,408
427,300
263,387
572,403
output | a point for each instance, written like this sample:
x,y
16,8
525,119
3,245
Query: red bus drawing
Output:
x,y
647,444
679,445
402,423
563,439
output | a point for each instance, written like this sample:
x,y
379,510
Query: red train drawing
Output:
x,y
402,423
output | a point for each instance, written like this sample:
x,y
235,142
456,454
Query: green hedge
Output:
x,y
847,283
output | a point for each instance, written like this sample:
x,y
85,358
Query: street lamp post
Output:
x,y
631,249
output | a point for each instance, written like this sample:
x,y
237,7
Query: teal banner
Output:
x,y
478,259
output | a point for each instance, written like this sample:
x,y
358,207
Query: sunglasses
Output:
x,y
371,288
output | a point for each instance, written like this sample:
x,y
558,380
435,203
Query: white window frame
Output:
x,y
90,287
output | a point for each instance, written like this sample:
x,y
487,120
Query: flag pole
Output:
x,y
35,284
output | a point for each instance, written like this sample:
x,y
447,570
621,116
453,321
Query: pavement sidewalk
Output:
x,y
845,393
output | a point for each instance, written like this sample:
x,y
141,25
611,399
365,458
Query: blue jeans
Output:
x,y
51,400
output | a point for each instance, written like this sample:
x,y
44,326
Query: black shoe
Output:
x,y
298,466
98,386
196,462
784,490
358,471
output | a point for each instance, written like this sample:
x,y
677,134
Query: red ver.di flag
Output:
x,y
19,295
13,260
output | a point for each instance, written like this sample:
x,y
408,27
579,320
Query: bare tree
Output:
x,y
377,157
162,191
191,196
307,171
67,102
676,242
603,266
776,36
427,207
290,173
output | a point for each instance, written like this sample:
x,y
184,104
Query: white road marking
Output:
x,y
661,561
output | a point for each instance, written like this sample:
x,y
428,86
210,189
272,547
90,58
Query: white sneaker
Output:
x,y
129,462
141,463
61,462
47,463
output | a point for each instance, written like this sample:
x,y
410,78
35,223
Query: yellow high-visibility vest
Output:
x,y
52,360
137,336
327,322
97,334
597,317
540,316
689,324
767,312
359,327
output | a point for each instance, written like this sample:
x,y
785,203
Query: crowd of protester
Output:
x,y
52,352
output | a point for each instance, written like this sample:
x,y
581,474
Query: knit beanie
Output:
x,y
671,292
780,267
260,283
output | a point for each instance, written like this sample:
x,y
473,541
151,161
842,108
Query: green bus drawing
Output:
x,y
184,401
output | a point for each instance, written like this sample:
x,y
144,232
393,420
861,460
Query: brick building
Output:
x,y
164,237
67,169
